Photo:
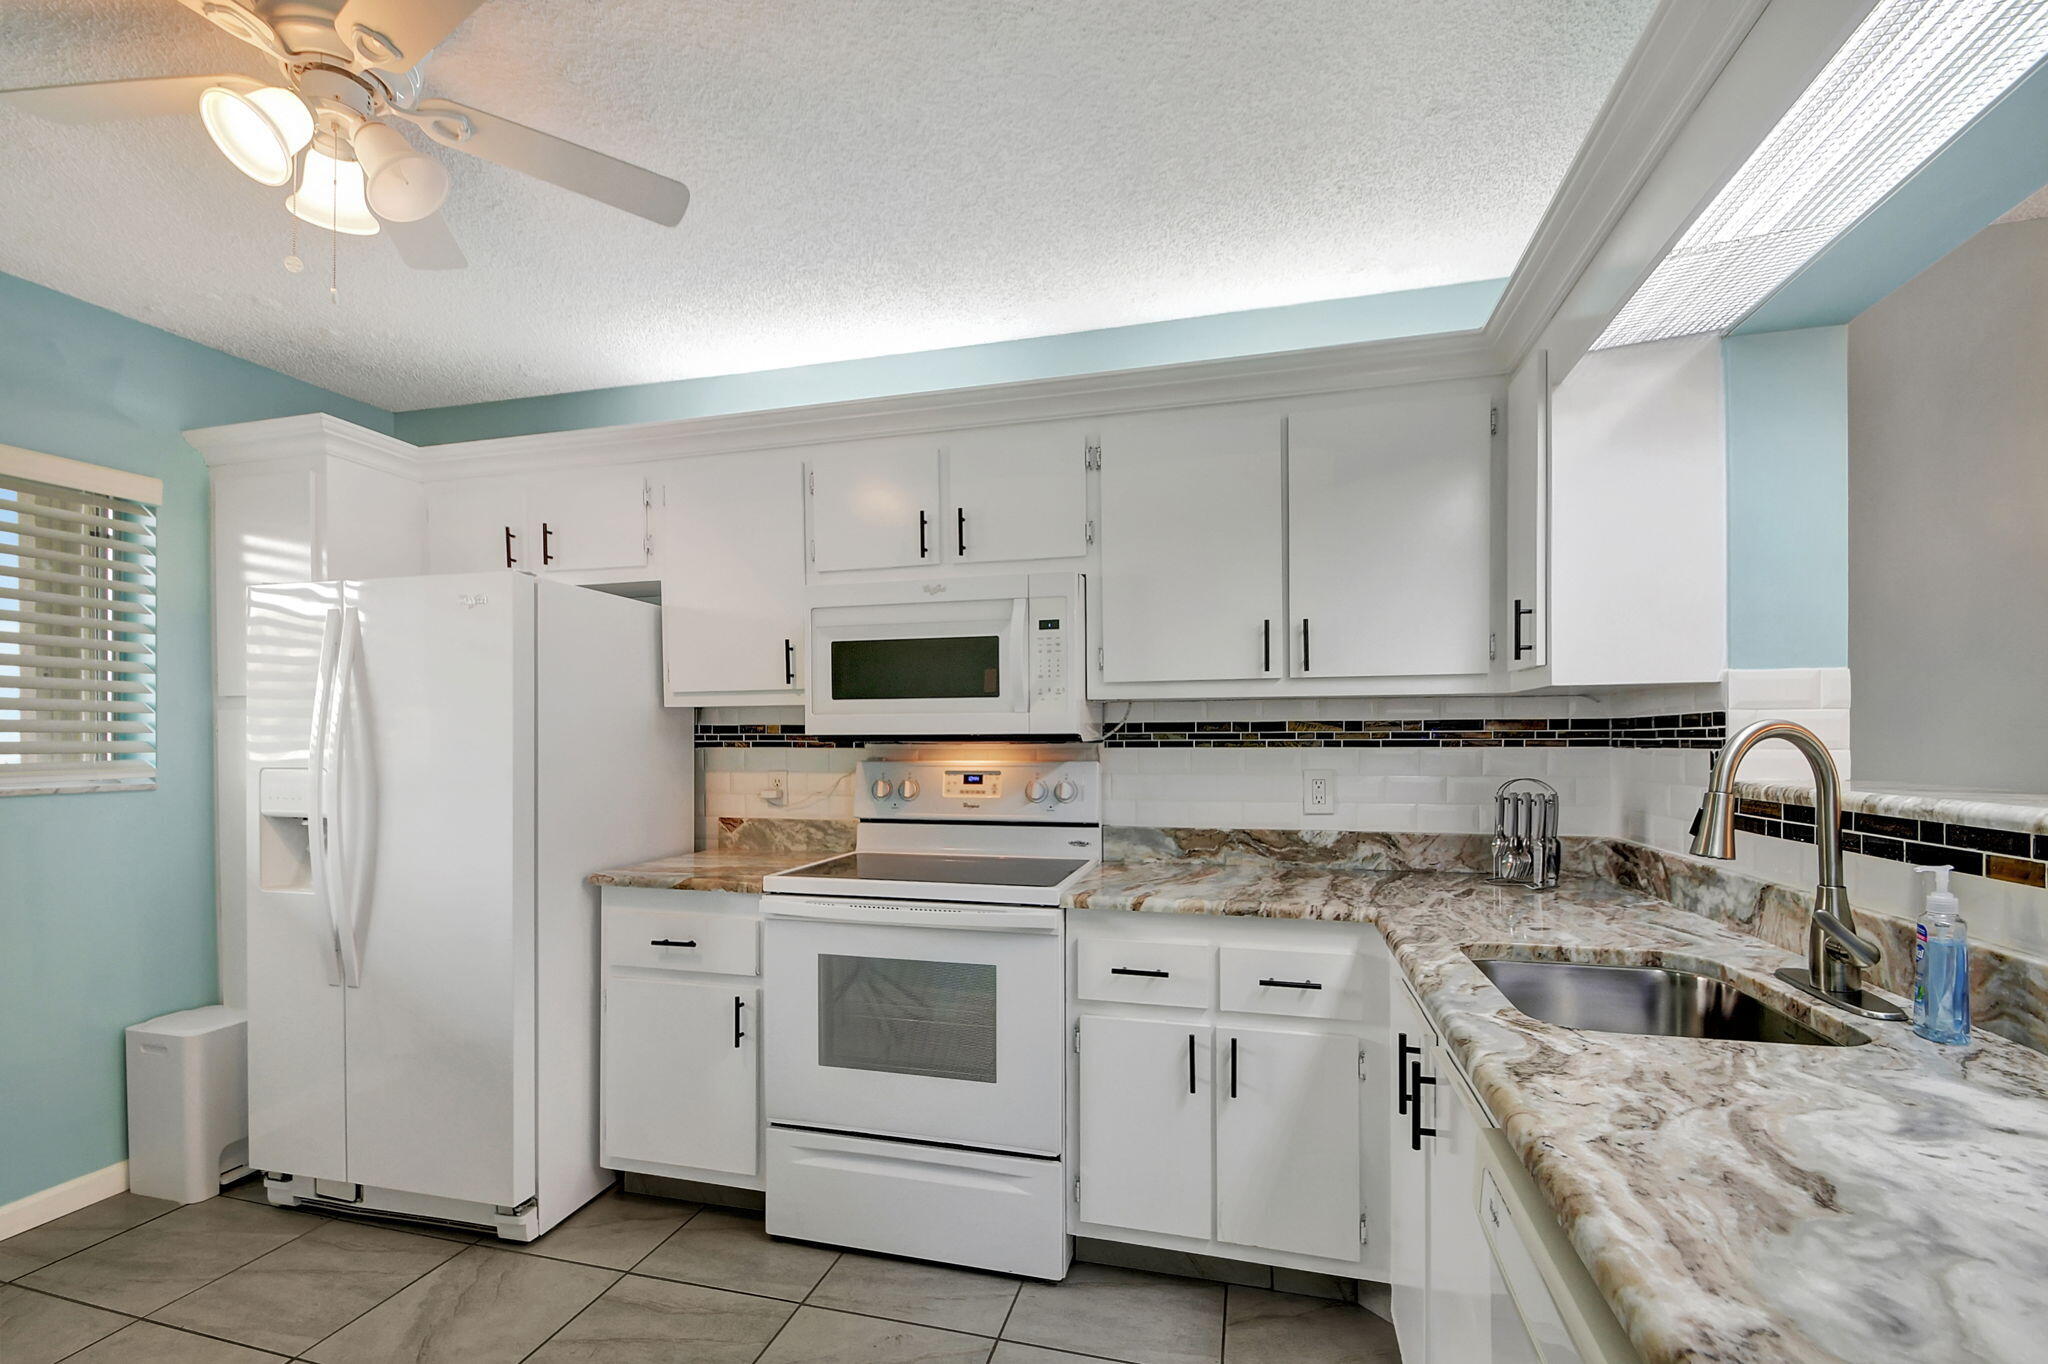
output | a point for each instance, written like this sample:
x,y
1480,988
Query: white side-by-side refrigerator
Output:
x,y
436,765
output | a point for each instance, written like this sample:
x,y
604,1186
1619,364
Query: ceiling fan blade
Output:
x,y
395,34
593,174
99,101
426,244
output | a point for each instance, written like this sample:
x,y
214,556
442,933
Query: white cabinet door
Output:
x,y
1390,545
588,519
1528,530
681,1074
478,524
876,505
1145,1158
1407,1201
731,553
1287,1134
1460,1259
1191,549
1017,492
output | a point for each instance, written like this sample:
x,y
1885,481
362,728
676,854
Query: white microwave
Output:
x,y
951,656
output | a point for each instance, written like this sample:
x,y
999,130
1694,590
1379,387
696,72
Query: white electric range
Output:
x,y
915,1037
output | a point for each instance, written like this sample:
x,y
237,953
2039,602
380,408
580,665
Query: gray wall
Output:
x,y
1948,521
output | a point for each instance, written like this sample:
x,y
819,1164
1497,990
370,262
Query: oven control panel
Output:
x,y
1051,792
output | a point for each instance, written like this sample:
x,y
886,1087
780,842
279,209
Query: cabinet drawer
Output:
x,y
1297,984
679,940
1129,972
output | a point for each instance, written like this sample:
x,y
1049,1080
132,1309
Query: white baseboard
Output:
x,y
24,1214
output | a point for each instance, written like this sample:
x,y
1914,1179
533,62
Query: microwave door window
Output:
x,y
944,667
905,1017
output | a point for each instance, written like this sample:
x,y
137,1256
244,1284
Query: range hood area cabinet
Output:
x,y
1345,542
999,495
589,525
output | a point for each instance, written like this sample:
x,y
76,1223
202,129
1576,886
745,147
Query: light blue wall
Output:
x,y
106,901
1414,312
1788,498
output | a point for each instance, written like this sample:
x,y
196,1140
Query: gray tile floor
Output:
x,y
626,1280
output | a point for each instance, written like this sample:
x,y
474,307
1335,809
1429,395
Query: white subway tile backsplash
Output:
x,y
1418,789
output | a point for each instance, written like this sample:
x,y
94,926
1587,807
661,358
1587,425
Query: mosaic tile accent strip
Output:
x,y
1702,729
2001,854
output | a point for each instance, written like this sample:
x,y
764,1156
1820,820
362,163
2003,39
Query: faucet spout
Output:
x,y
1836,953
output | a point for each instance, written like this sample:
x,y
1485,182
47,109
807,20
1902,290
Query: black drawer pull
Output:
x,y
1416,1131
1138,971
1292,984
1401,1091
670,942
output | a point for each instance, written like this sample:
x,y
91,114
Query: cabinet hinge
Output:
x,y
1091,531
1077,1037
1362,1238
646,493
1361,1063
1077,1191
1492,647
1092,456
1492,421
811,479
1098,658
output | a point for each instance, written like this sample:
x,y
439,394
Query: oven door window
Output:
x,y
932,668
904,1017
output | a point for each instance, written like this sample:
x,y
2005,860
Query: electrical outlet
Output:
x,y
776,792
1318,792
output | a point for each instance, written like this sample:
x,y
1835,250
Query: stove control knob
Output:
x,y
1034,790
908,790
1065,791
883,788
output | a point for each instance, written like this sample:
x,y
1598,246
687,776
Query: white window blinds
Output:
x,y
77,626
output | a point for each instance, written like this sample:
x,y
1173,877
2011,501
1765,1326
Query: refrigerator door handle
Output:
x,y
343,883
316,782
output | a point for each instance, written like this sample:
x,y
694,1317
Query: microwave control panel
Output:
x,y
1048,650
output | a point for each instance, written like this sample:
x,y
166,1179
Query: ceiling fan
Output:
x,y
348,74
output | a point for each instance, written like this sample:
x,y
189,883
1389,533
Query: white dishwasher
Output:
x,y
1545,1306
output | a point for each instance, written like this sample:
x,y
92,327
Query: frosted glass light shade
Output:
x,y
403,183
259,132
330,195
1912,76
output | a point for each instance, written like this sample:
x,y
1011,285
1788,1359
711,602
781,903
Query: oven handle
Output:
x,y
1018,919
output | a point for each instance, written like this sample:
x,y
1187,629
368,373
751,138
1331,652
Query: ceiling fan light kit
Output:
x,y
260,132
349,68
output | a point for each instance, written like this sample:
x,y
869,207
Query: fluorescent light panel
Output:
x,y
1909,79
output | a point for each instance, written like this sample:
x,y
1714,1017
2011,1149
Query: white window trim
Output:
x,y
99,481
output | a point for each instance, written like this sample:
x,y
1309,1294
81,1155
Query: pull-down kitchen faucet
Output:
x,y
1836,954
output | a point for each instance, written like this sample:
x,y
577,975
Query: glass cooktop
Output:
x,y
946,869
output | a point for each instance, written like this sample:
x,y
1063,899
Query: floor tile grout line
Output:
x,y
618,1277
104,1239
367,1310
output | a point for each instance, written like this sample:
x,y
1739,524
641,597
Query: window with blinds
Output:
x,y
77,630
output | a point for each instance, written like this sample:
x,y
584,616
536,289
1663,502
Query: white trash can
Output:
x,y
188,1103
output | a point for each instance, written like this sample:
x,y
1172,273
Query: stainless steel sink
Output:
x,y
1646,1000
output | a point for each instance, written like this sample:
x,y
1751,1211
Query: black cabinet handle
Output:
x,y
1233,1067
1138,971
1402,1095
1265,646
737,1005
670,942
923,551
547,555
1292,984
510,561
960,530
789,661
1191,1063
1304,643
1521,611
1416,1131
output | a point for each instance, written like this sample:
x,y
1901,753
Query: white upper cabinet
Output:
x,y
1191,548
732,572
1528,529
876,505
1390,535
1017,492
577,522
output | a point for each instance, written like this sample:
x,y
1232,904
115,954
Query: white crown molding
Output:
x,y
311,435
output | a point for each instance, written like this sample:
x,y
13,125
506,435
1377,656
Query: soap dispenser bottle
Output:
x,y
1941,966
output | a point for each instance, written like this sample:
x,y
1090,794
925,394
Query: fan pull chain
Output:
x,y
292,262
334,233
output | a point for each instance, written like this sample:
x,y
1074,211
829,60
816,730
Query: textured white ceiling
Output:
x,y
869,176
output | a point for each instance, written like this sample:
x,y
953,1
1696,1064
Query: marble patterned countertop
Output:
x,y
731,870
1735,1202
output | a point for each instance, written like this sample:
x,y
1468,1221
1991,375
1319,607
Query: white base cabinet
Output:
x,y
1221,1094
680,1070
